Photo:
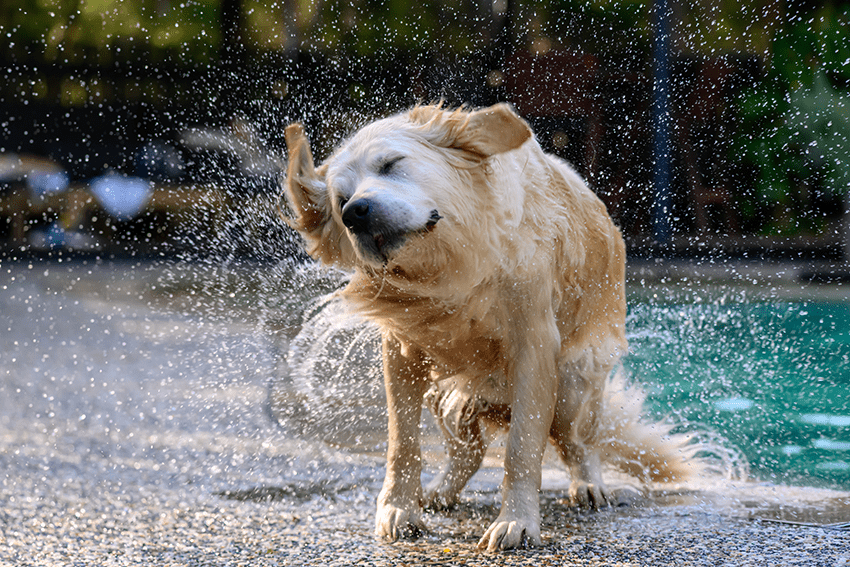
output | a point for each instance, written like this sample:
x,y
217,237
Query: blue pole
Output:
x,y
662,209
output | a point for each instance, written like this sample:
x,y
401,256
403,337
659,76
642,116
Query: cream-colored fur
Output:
x,y
497,278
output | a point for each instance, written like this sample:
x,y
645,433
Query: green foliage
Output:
x,y
56,30
795,125
370,26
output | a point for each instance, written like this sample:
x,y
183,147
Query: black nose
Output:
x,y
356,215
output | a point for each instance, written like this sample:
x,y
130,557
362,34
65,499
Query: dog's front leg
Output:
x,y
399,504
533,394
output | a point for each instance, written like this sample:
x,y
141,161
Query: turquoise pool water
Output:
x,y
772,377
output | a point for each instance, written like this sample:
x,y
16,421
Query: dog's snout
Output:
x,y
356,215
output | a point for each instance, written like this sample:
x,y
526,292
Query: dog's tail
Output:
x,y
647,451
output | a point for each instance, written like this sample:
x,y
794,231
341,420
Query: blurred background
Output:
x,y
155,410
709,128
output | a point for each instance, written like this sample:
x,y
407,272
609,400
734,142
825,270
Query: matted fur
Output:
x,y
497,278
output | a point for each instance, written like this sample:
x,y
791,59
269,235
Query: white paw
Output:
x,y
392,522
591,496
509,532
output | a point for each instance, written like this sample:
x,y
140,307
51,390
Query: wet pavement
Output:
x,y
136,429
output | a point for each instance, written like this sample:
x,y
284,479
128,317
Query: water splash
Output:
x,y
334,366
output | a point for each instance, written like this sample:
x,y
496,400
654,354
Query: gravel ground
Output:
x,y
134,430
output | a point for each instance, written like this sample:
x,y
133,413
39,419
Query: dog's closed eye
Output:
x,y
386,166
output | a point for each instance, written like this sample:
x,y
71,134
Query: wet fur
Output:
x,y
511,308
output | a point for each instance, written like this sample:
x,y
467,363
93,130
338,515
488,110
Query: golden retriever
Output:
x,y
497,279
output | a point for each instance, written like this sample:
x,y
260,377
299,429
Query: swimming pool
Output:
x,y
770,376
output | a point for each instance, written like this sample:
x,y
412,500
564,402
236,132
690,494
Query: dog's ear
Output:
x,y
307,193
306,190
493,130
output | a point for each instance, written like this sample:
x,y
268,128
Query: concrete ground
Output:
x,y
135,429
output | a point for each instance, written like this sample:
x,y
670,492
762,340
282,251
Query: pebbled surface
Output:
x,y
134,431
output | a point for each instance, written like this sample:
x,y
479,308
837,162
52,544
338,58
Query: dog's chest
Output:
x,y
477,360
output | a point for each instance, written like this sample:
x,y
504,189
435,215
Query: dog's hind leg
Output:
x,y
575,433
465,458
458,417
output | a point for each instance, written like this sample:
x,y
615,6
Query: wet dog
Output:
x,y
497,279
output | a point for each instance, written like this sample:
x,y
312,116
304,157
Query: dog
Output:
x,y
497,279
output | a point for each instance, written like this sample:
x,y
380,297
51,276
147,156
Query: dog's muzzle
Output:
x,y
377,233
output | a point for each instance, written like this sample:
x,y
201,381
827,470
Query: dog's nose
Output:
x,y
356,215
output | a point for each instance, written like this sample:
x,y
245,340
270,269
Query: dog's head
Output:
x,y
396,184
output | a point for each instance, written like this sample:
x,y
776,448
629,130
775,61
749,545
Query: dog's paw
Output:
x,y
626,496
510,532
590,496
394,523
438,500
